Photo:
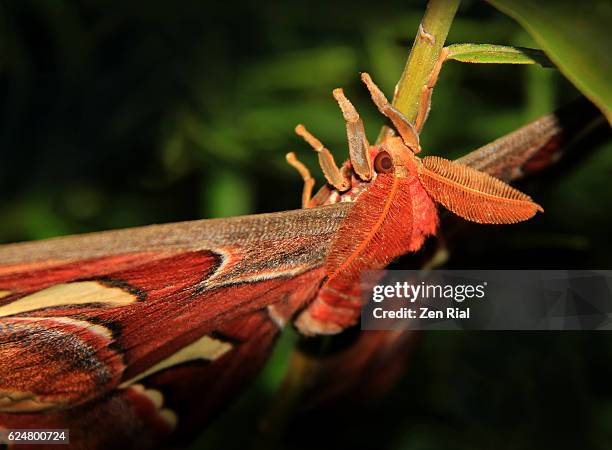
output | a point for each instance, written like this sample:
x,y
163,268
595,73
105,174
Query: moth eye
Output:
x,y
383,163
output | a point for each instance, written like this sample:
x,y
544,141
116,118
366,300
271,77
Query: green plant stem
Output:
x,y
424,54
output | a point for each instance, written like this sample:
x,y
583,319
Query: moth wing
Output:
x,y
168,406
474,195
89,318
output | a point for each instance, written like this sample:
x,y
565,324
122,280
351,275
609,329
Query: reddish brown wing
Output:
x,y
149,329
172,404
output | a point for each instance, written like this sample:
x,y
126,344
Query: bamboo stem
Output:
x,y
427,45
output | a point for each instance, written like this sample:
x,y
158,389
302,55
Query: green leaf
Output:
x,y
497,54
576,36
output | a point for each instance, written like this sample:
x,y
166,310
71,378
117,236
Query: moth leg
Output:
x,y
332,173
359,147
403,126
309,181
427,90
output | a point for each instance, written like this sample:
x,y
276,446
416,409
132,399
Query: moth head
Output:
x,y
395,157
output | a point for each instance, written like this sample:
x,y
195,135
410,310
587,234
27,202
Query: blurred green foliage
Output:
x,y
131,113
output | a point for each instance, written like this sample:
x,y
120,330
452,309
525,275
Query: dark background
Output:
x,y
117,114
